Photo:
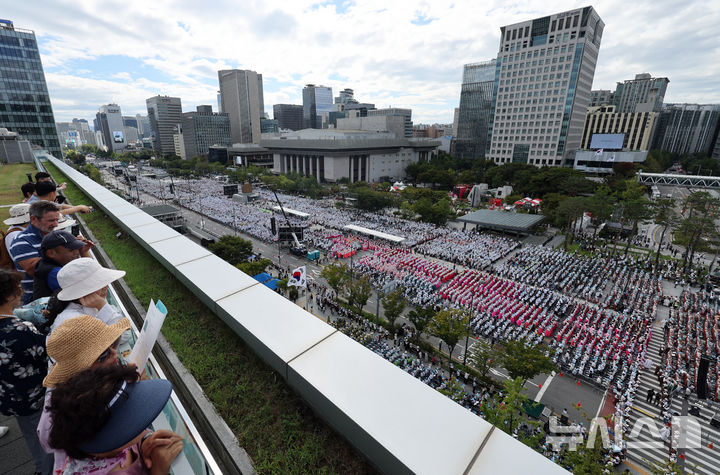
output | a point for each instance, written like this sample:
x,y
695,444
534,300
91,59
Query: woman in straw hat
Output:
x,y
23,365
78,344
100,419
83,284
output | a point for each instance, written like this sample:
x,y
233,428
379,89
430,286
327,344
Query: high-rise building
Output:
x,y
143,123
545,69
289,116
345,96
164,114
642,94
317,100
632,131
203,129
130,121
269,126
601,97
687,128
475,114
456,118
24,100
241,96
406,113
112,126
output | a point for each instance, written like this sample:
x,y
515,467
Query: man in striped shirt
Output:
x,y
25,249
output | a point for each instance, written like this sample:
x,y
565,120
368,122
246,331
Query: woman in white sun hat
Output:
x,y
83,283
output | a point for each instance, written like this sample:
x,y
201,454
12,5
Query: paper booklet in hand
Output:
x,y
148,335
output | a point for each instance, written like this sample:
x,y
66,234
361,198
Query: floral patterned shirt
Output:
x,y
23,366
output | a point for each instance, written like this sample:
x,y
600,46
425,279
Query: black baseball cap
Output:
x,y
60,238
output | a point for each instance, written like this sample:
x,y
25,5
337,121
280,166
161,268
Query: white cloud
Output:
x,y
373,44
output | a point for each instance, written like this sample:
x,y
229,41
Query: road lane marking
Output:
x,y
544,387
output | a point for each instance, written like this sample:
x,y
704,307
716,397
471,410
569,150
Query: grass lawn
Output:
x,y
12,177
274,425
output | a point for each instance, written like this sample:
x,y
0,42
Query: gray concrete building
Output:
x,y
545,69
289,116
394,111
608,129
476,110
203,129
687,128
386,123
642,94
24,99
601,97
331,155
112,126
241,96
164,114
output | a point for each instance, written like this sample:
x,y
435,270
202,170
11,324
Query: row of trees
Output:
x,y
449,325
693,226
239,253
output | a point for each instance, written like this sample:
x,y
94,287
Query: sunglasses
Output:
x,y
105,354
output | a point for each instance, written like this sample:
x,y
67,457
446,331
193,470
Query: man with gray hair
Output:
x,y
25,248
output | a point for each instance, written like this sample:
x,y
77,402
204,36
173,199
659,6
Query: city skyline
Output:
x,y
399,55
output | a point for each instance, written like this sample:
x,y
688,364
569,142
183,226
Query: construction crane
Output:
x,y
299,248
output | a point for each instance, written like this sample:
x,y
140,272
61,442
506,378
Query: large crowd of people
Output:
x,y
594,313
693,331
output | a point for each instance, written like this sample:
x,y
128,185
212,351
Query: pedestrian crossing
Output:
x,y
704,460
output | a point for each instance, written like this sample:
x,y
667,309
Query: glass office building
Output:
x,y
317,100
475,114
24,100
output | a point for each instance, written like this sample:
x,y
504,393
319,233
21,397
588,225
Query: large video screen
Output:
x,y
609,141
118,136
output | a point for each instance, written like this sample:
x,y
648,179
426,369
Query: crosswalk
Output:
x,y
704,460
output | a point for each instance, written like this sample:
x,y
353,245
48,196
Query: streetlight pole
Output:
x,y
377,305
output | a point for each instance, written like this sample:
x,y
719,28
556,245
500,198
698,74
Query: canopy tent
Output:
x,y
503,221
292,212
267,280
375,234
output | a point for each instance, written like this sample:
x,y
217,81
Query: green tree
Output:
x,y
454,390
482,357
393,304
420,318
232,249
358,292
254,267
665,216
370,200
507,412
524,361
635,211
601,205
699,225
437,213
93,173
450,326
336,275
568,215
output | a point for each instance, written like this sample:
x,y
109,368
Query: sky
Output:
x,y
392,53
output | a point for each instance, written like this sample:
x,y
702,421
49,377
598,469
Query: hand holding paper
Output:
x,y
148,335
